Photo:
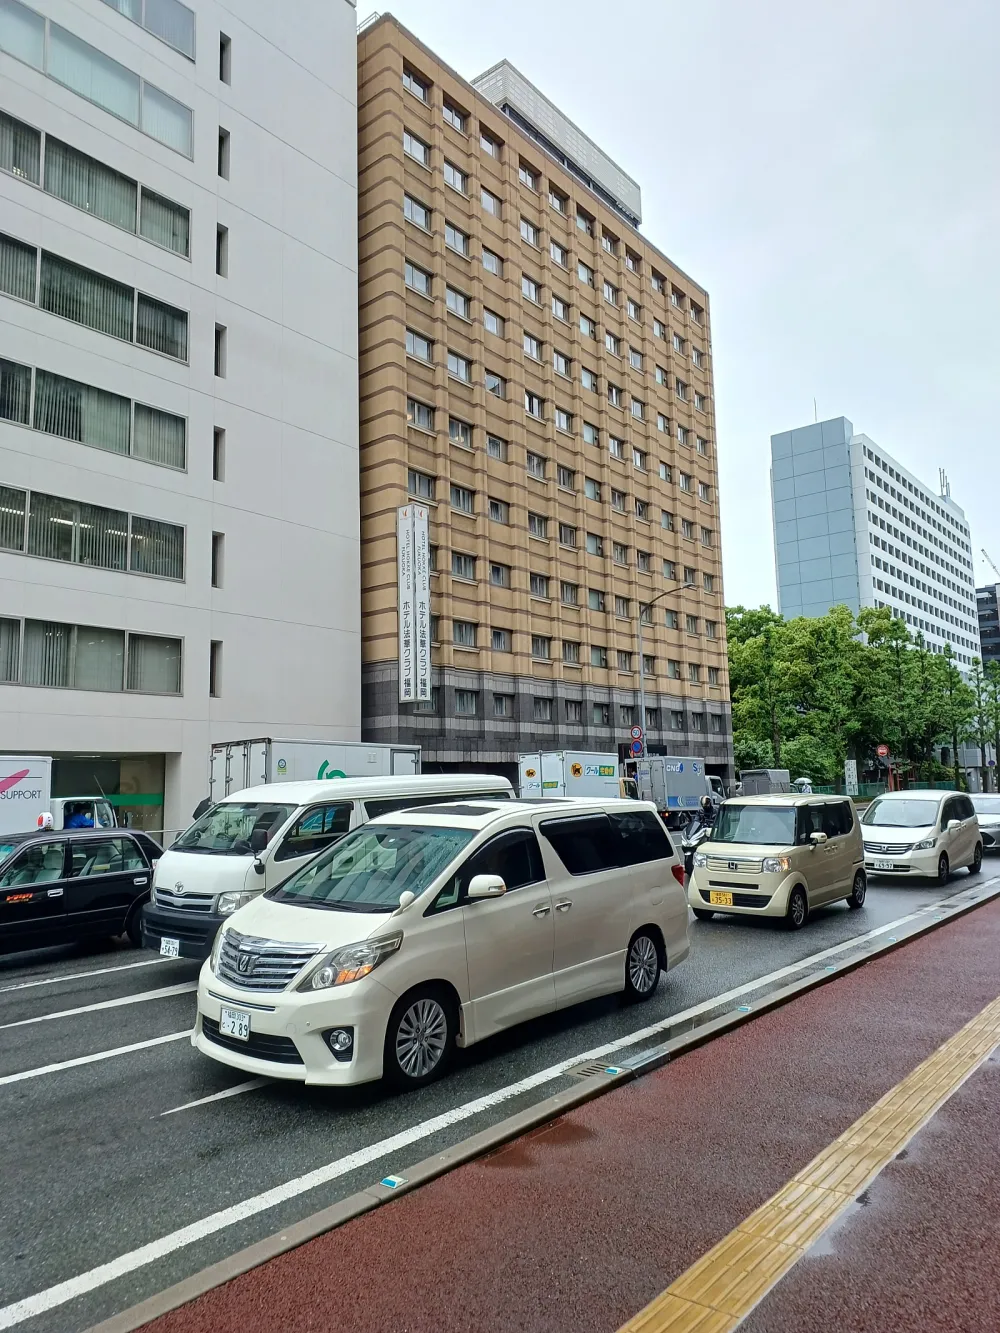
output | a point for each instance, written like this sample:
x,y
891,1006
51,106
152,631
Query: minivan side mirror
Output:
x,y
257,840
817,838
486,886
954,824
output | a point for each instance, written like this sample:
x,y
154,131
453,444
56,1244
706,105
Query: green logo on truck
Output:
x,y
325,772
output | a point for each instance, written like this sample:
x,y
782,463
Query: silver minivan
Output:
x,y
926,833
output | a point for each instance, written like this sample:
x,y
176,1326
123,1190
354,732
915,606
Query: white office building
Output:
x,y
852,526
179,512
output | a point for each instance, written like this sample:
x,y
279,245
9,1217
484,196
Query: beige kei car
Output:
x,y
779,856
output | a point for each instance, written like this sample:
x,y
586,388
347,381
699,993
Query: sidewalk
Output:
x,y
579,1225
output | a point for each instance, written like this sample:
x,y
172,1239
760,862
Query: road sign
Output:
x,y
636,733
850,777
883,752
637,748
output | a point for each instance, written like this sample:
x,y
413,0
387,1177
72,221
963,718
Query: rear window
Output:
x,y
605,842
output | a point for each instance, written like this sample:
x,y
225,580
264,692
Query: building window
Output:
x,y
453,117
455,239
592,489
601,714
715,719
610,293
689,575
591,434
569,594
585,273
458,303
632,262
503,705
669,570
492,263
691,624
595,544
527,176
496,447
219,454
529,232
566,478
704,491
419,483
414,84
701,445
700,402
560,309
419,346
613,344
541,709
499,575
642,561
460,432
697,358
694,673
493,323
530,289
681,389
222,251
711,629
635,358
697,721
417,213
532,347
491,203
460,367
500,640
666,520
221,360
584,222
561,363
419,414
707,537
661,376
616,447
499,511
567,534
463,566
671,619
559,255
658,282
595,599
464,633
538,526
564,420
659,329
713,678
619,553
587,327
618,500
558,201
458,180
640,460
621,607
574,711
642,509
462,499
614,395
416,148
635,311
687,529
626,715
598,656
218,558
541,647
686,482
638,410
418,279
538,585
609,243
533,405
536,465
588,379
489,144
466,703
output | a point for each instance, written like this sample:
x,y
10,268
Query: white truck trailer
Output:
x,y
26,797
568,773
676,784
235,765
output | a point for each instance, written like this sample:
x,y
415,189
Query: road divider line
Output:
x,y
29,1307
79,1060
82,976
164,993
720,1289
220,1096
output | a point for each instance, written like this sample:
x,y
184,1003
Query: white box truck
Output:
x,y
676,784
235,765
568,773
26,795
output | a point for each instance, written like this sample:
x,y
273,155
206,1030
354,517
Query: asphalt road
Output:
x,y
126,1172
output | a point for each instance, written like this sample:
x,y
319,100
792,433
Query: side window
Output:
x,y
130,854
515,856
833,819
315,829
643,838
584,845
968,809
101,857
40,863
950,810
810,821
847,816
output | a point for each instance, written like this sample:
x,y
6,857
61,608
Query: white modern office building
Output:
x,y
852,526
179,514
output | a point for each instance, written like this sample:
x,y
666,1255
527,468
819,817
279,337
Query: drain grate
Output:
x,y
590,1069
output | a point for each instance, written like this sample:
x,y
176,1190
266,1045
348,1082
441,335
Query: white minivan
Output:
x,y
442,926
253,839
927,833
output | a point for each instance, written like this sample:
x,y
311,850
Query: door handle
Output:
x,y
564,906
144,880
541,911
54,893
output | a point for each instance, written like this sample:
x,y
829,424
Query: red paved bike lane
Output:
x,y
578,1225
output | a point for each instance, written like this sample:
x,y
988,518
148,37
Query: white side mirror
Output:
x,y
487,886
817,838
953,824
405,898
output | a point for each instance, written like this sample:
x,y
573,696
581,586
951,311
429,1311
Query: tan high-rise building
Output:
x,y
539,376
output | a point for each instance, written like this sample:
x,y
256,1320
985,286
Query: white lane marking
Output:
x,y
78,976
31,1306
221,1096
164,993
92,1059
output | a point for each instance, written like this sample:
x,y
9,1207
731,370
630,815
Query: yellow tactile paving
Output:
x,y
715,1294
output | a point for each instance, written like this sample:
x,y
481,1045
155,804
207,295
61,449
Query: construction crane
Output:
x,y
986,557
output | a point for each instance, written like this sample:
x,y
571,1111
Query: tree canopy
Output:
x,y
807,694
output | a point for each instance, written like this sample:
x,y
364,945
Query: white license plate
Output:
x,y
235,1023
882,865
170,948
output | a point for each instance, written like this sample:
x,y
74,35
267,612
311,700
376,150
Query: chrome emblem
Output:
x,y
733,865
245,963
179,889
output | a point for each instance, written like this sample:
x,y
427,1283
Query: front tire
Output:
x,y
858,892
943,870
642,966
797,913
133,926
977,860
419,1038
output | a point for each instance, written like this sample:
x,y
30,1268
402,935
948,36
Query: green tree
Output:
x,y
979,723
993,707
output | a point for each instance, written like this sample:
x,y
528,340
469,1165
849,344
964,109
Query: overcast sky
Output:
x,y
829,171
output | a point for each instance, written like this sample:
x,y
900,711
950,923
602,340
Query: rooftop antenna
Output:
x,y
944,483
815,411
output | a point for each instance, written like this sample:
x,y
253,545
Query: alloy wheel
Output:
x,y
421,1038
643,964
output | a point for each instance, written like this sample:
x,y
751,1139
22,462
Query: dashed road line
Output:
x,y
164,993
83,976
40,1070
220,1096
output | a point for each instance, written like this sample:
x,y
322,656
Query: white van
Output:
x,y
253,839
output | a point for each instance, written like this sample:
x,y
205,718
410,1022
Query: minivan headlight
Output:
x,y
229,902
926,845
213,957
774,865
700,860
351,963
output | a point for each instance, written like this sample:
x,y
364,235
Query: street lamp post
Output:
x,y
642,674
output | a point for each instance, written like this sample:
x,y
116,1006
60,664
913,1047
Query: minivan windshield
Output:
x,y
911,812
772,825
986,805
368,869
228,829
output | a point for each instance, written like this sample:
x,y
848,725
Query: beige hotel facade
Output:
x,y
539,376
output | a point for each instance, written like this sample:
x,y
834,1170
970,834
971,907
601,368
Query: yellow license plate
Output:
x,y
720,899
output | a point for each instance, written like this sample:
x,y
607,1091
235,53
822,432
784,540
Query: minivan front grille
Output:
x,y
739,865
187,902
251,963
888,848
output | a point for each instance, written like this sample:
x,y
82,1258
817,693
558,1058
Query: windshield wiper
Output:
x,y
337,905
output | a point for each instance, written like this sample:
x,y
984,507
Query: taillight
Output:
x,y
677,871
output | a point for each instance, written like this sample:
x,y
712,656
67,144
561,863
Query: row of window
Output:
x,y
920,586
87,184
465,634
54,655
75,411
530,176
84,534
89,298
964,605
888,508
916,623
922,496
83,69
468,704
168,20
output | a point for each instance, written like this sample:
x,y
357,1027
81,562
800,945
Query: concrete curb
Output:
x,y
512,1127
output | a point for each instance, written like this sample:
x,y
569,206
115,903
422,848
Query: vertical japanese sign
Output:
x,y
414,601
